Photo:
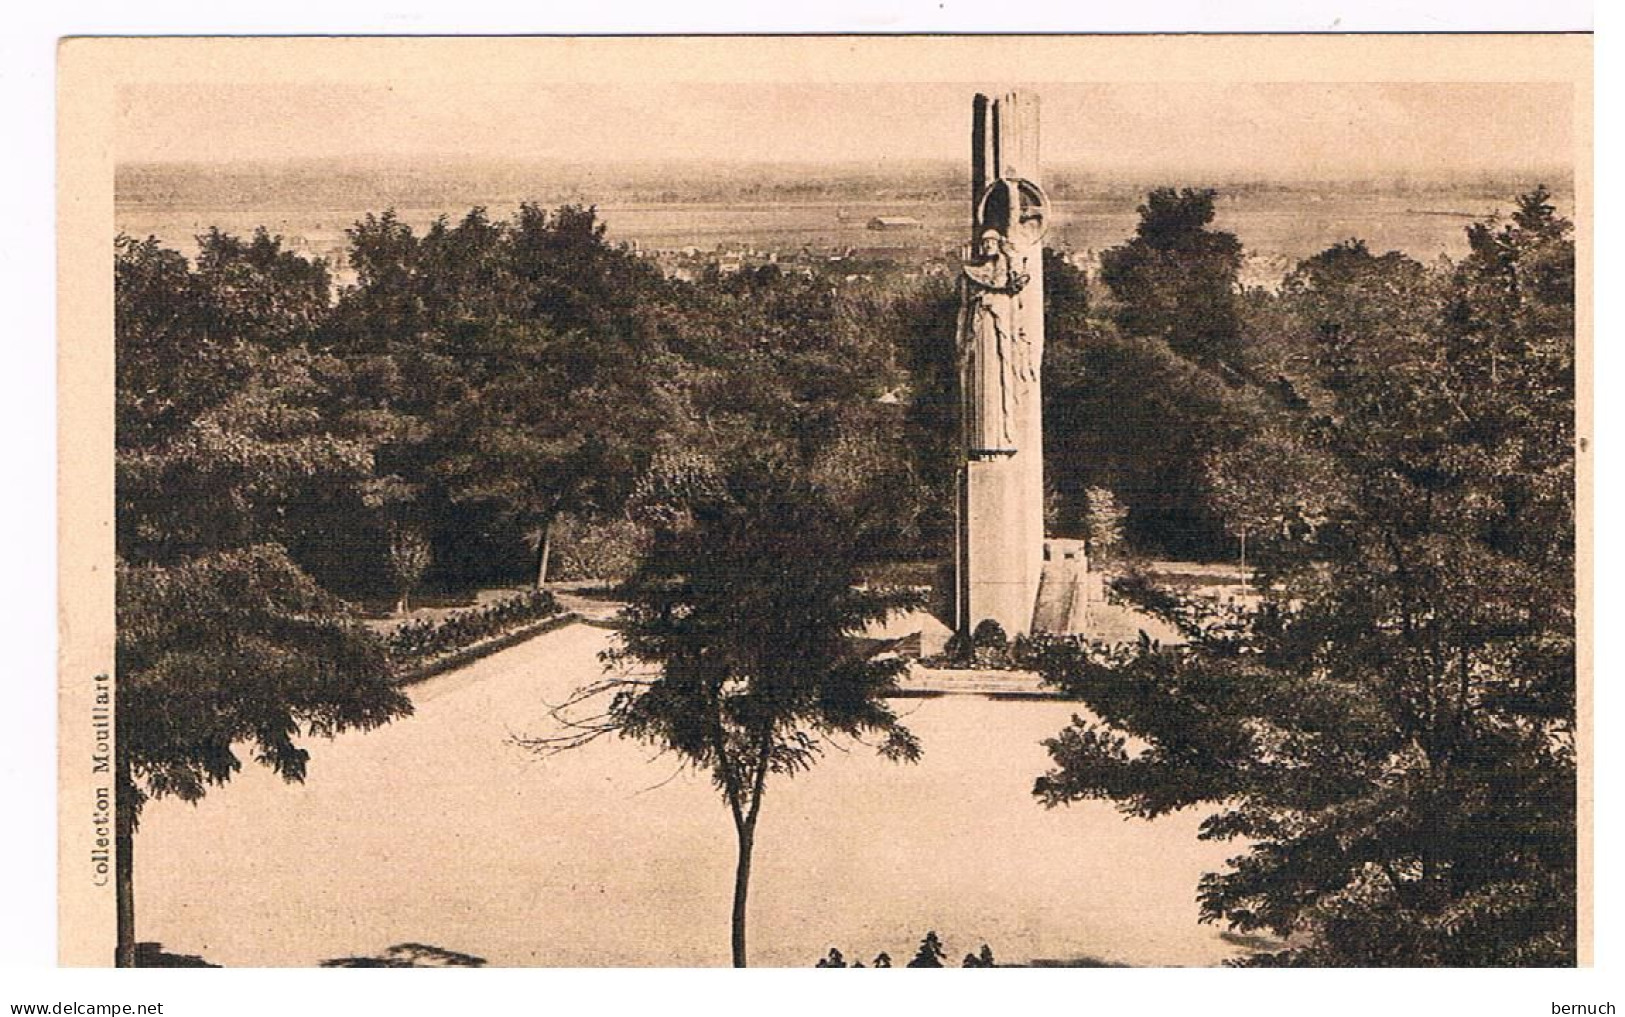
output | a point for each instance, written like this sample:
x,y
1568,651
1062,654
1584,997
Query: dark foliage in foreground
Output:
x,y
929,954
1392,735
224,641
410,955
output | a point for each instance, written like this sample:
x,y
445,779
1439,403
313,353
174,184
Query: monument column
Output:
x,y
1000,555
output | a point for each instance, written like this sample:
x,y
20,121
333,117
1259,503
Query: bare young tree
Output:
x,y
410,556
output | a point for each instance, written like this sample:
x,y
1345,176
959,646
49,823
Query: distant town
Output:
x,y
850,225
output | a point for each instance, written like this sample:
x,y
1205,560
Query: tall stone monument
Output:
x,y
999,560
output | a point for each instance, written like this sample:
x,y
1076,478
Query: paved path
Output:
x,y
593,609
949,682
439,831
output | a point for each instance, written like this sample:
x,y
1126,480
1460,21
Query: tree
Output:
x,y
1103,525
1392,735
409,557
1271,486
222,639
259,289
930,430
834,960
526,351
168,367
554,423
532,370
981,959
930,954
1066,295
1145,380
1132,416
1177,279
745,605
229,647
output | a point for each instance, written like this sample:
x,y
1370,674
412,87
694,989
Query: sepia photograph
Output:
x,y
826,502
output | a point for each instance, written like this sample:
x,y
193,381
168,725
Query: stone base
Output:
x,y
920,633
1001,559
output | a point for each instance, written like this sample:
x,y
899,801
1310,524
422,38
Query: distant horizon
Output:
x,y
1288,130
1554,174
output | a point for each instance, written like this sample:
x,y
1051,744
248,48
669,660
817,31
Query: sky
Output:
x,y
1264,129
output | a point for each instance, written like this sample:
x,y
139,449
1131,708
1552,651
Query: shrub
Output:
x,y
605,549
1104,525
930,954
989,635
959,650
423,639
991,643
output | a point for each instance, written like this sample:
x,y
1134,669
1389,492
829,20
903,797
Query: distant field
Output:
x,y
1276,226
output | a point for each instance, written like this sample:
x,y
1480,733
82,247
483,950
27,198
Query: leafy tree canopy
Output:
x,y
1177,279
1392,736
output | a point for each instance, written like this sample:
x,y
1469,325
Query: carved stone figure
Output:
x,y
997,362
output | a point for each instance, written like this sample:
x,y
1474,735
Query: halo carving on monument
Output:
x,y
1017,208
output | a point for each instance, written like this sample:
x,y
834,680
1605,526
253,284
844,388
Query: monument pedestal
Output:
x,y
1003,533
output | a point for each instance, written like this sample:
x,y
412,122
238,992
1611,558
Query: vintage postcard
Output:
x,y
825,501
